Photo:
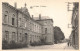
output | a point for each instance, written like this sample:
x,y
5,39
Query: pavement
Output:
x,y
60,46
69,48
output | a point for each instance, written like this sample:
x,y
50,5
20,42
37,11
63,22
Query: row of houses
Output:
x,y
74,37
19,26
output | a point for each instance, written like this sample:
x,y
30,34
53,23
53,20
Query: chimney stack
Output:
x,y
15,5
39,16
25,4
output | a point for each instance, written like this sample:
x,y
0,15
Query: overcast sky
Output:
x,y
55,9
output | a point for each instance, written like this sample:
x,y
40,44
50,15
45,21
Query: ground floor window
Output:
x,y
26,36
13,36
6,35
20,37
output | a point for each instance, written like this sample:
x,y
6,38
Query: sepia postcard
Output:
x,y
39,25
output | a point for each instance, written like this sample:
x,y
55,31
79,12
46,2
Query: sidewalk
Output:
x,y
69,48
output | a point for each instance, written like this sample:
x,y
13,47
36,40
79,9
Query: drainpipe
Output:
x,y
17,25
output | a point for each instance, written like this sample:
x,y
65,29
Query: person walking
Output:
x,y
68,43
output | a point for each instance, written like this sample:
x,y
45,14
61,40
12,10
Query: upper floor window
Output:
x,y
45,30
25,24
45,22
13,19
13,15
6,17
25,35
20,22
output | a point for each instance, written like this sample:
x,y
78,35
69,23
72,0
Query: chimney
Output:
x,y
15,5
21,9
32,16
39,16
25,4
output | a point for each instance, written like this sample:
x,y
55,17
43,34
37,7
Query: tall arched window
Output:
x,y
6,17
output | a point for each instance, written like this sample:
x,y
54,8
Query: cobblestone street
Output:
x,y
60,46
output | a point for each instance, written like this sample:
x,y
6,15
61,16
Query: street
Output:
x,y
60,46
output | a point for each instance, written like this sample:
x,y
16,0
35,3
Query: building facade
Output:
x,y
18,26
74,37
47,29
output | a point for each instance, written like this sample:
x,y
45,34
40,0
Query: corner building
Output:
x,y
18,26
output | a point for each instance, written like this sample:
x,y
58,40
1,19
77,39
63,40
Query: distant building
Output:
x,y
74,37
18,26
47,28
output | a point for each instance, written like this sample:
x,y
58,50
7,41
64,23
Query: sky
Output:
x,y
55,9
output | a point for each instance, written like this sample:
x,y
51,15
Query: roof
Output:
x,y
45,20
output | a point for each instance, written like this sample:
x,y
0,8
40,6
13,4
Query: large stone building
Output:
x,y
19,26
74,37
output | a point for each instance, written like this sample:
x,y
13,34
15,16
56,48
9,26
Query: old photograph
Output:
x,y
40,24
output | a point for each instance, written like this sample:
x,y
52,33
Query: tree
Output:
x,y
58,34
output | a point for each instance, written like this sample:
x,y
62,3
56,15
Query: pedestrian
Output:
x,y
68,43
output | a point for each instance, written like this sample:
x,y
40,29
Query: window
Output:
x,y
20,38
45,30
45,22
12,21
13,15
25,24
6,35
20,22
13,36
26,36
6,17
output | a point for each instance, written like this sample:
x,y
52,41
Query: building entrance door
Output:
x,y
26,37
